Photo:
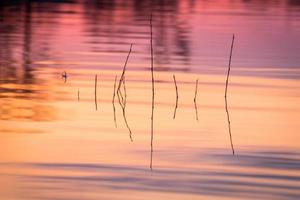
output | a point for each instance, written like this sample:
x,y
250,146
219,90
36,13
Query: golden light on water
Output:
x,y
55,145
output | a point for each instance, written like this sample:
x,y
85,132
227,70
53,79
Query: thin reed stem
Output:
x,y
124,69
123,106
113,101
195,99
153,93
176,105
125,92
125,119
96,77
225,96
122,98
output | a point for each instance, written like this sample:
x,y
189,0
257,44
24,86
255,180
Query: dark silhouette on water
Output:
x,y
176,105
64,76
152,80
226,106
113,101
121,98
195,99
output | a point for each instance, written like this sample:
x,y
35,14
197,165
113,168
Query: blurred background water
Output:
x,y
54,147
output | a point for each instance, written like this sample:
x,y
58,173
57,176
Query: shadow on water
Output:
x,y
270,160
212,182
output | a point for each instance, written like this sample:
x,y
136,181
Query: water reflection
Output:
x,y
216,183
106,28
293,3
189,35
20,89
28,76
81,149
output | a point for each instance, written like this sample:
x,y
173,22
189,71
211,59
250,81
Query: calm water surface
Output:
x,y
56,147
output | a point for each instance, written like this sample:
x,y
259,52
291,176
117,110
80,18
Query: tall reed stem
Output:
x,y
153,93
96,77
225,96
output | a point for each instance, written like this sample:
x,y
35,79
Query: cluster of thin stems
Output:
x,y
120,92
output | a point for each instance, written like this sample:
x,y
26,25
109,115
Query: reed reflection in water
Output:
x,y
55,146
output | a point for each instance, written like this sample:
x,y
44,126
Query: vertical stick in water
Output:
x,y
195,99
125,93
152,80
226,106
96,92
113,102
176,105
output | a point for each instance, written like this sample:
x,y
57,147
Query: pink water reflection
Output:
x,y
54,146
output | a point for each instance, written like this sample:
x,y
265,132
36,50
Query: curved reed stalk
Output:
x,y
225,96
176,105
195,99
122,98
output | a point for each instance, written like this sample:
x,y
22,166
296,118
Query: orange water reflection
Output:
x,y
54,146
264,115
